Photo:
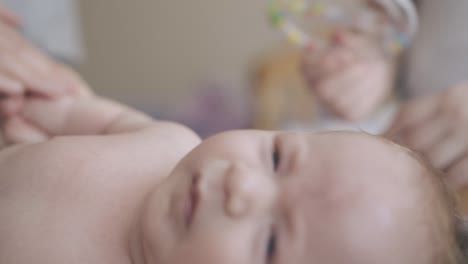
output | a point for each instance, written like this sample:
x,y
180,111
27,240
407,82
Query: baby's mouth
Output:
x,y
192,202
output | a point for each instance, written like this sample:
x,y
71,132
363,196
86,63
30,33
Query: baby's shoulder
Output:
x,y
154,150
38,165
174,134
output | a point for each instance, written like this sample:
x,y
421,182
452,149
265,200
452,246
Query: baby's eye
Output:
x,y
276,160
271,247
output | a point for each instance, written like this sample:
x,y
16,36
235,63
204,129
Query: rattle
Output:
x,y
310,23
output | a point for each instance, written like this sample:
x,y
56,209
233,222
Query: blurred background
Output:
x,y
186,60
205,63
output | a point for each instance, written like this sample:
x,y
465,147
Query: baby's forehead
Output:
x,y
356,150
348,169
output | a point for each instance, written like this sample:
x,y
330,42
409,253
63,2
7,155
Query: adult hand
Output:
x,y
26,72
437,126
351,78
9,18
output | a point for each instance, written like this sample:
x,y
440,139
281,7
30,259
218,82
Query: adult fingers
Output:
x,y
31,79
361,46
338,92
457,175
412,114
22,62
49,115
317,68
447,151
425,134
369,93
76,86
8,17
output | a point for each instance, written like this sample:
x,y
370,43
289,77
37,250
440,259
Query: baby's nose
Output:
x,y
247,191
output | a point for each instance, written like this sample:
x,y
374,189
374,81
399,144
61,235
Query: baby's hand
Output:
x,y
437,126
44,118
351,78
40,119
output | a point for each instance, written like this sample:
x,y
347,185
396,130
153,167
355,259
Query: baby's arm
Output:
x,y
98,135
98,117
99,151
83,116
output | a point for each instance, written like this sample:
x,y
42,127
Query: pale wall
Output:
x,y
150,52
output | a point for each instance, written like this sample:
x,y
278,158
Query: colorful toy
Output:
x,y
310,23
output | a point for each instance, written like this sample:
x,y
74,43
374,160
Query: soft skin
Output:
x,y
87,180
133,190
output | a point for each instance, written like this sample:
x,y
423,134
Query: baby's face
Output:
x,y
266,197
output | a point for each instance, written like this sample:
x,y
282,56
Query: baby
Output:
x,y
109,185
